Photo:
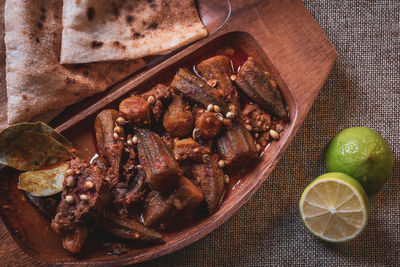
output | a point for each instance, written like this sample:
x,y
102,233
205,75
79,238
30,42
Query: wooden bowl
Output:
x,y
281,35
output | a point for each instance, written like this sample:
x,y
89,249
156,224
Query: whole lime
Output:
x,y
363,154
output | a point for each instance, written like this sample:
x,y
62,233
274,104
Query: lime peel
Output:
x,y
363,154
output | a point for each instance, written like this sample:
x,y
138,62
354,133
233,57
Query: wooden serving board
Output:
x,y
281,34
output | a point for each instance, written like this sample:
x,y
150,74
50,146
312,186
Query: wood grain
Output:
x,y
288,42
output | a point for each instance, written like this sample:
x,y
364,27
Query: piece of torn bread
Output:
x,y
36,81
97,30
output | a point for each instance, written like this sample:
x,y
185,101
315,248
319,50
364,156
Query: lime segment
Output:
x,y
334,207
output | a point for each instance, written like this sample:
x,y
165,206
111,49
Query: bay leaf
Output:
x,y
11,133
33,150
44,182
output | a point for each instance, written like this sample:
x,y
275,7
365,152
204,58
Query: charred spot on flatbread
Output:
x,y
119,45
97,44
90,13
153,26
137,35
115,9
69,80
130,19
42,12
129,7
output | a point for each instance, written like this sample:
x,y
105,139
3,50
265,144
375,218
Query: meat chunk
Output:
x,y
158,97
83,198
210,178
160,91
258,119
189,149
177,120
131,190
131,187
219,68
102,164
136,110
163,208
109,147
136,188
209,124
236,146
198,90
162,171
74,239
260,88
129,229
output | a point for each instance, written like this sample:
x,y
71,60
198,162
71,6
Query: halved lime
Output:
x,y
334,207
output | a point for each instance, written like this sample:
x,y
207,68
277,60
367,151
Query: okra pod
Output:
x,y
210,178
219,68
177,121
129,229
163,208
110,147
260,88
236,145
197,90
162,171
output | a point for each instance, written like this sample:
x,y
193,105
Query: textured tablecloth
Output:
x,y
363,89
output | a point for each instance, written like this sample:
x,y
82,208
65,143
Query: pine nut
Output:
x,y
221,163
274,134
88,184
230,115
69,199
151,100
120,121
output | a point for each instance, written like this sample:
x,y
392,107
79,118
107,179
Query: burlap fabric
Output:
x,y
363,89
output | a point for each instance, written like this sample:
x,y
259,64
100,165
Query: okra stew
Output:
x,y
166,156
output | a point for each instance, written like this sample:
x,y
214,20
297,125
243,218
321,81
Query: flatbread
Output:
x,y
96,30
36,82
48,116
